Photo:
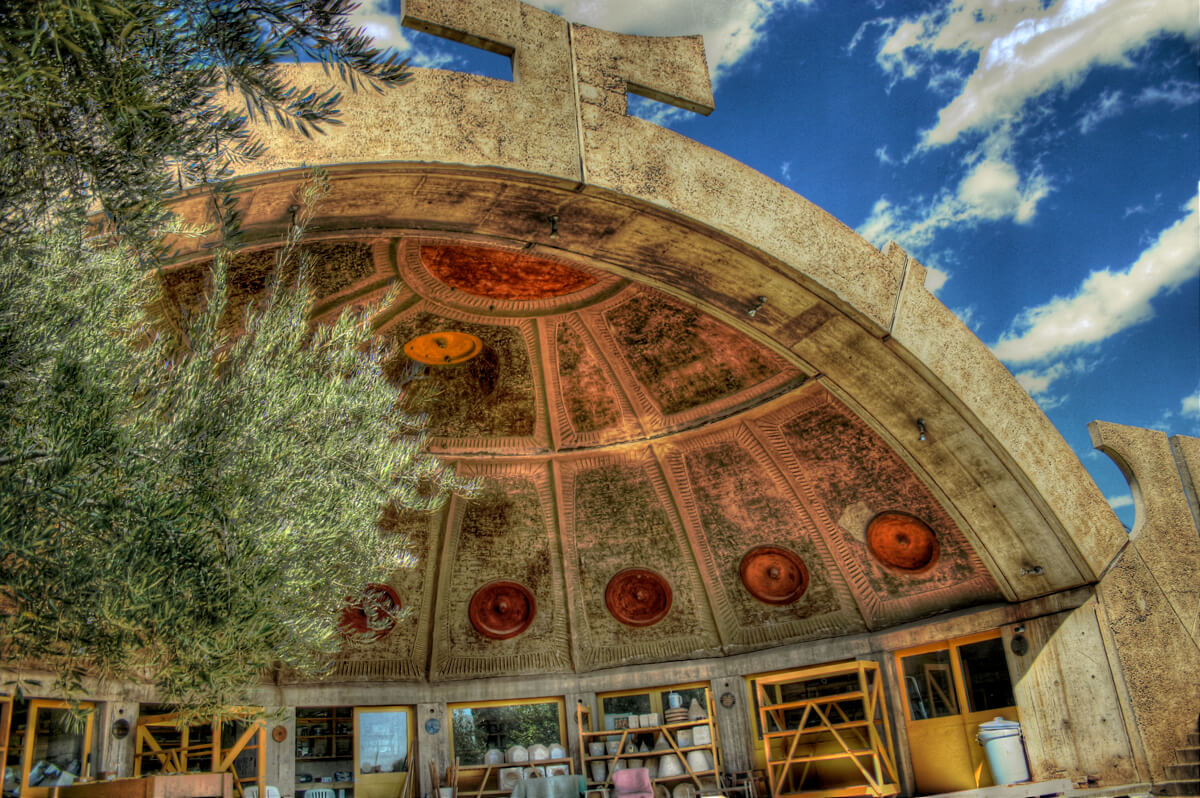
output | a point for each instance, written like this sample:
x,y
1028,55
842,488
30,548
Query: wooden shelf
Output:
x,y
669,732
483,791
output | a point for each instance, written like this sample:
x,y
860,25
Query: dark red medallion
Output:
x,y
374,613
637,597
501,610
774,575
902,541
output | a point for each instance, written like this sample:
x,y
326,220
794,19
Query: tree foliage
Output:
x,y
118,102
178,502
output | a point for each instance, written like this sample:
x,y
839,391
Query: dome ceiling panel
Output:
x,y
685,359
617,514
735,499
403,653
586,396
850,474
493,396
508,533
498,280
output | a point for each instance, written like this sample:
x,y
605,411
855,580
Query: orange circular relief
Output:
x,y
902,541
774,575
637,597
443,348
501,610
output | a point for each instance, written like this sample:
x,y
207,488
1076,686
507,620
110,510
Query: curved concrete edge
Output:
x,y
933,336
1151,595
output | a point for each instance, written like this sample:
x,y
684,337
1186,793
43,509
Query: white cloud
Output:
x,y
1116,502
1109,105
785,171
1189,406
1107,302
1176,93
1025,48
731,28
990,191
935,278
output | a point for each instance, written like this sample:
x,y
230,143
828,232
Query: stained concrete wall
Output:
x,y
1149,601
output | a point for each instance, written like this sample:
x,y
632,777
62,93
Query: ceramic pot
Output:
x,y
598,771
695,711
538,752
613,747
674,700
698,761
661,744
701,735
596,748
684,789
557,751
493,756
668,766
509,778
683,738
516,753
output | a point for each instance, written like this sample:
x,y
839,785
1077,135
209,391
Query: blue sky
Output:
x,y
1039,156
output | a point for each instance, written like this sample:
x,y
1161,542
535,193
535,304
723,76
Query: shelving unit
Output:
x,y
487,783
827,744
325,738
669,732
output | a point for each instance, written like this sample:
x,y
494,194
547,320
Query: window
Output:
x,y
476,728
985,675
616,708
930,685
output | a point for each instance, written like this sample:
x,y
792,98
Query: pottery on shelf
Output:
x,y
684,789
493,756
661,791
695,711
558,770
652,766
557,751
509,778
669,765
598,771
538,752
596,748
701,735
683,738
698,761
516,753
631,746
661,744
643,748
613,747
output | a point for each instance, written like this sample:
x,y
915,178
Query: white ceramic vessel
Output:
x,y
557,751
598,771
538,752
683,738
698,761
516,753
494,756
668,766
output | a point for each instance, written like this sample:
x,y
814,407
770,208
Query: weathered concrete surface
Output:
x,y
1070,707
1151,596
932,338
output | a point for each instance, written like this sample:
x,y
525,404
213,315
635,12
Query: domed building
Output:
x,y
743,477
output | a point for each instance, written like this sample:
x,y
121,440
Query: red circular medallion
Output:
x,y
500,610
637,597
902,541
374,613
774,575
